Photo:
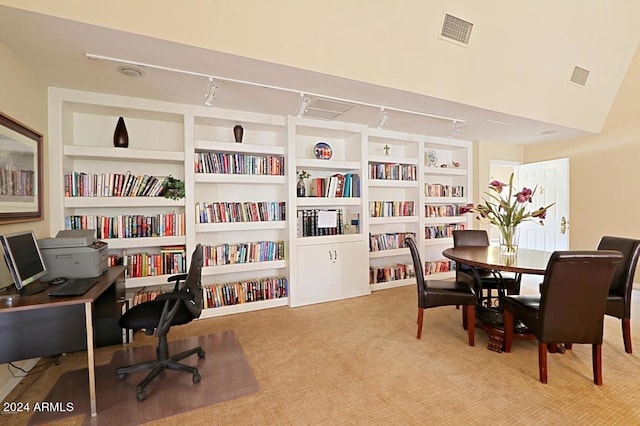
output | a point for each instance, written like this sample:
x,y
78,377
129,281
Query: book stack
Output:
x,y
246,291
81,184
399,271
337,185
255,251
130,226
441,210
391,208
386,171
315,222
436,266
441,190
232,211
388,241
442,231
171,260
238,164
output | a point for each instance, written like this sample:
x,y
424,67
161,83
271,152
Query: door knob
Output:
x,y
563,225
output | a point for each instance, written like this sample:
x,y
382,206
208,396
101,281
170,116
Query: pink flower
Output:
x,y
466,209
541,213
497,186
524,195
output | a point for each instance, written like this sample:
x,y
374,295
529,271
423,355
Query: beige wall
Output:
x,y
603,170
24,98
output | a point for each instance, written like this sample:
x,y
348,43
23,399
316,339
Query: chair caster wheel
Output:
x,y
201,354
196,378
141,395
121,376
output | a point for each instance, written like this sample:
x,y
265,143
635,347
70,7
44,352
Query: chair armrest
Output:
x,y
175,295
177,278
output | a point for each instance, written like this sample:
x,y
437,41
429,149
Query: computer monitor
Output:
x,y
24,261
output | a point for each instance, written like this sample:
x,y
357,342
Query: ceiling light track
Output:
x,y
268,86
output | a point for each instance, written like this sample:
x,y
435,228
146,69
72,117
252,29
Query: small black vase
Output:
x,y
238,131
120,136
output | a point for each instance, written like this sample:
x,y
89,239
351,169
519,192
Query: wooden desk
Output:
x,y
527,261
110,284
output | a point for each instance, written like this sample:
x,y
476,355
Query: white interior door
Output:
x,y
552,181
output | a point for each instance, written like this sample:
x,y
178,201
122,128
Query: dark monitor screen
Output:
x,y
23,258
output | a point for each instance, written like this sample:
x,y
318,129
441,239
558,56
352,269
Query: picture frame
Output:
x,y
20,172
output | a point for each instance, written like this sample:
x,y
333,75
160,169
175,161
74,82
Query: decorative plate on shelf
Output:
x,y
431,157
323,151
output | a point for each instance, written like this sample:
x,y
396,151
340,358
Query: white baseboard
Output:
x,y
13,381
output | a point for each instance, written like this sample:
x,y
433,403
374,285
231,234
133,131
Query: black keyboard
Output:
x,y
74,287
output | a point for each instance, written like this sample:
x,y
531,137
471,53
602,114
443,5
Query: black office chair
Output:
x,y
433,293
571,307
485,281
182,305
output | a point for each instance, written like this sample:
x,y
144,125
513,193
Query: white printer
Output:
x,y
74,254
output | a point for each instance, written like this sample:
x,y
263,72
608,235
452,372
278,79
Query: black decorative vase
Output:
x,y
238,131
120,136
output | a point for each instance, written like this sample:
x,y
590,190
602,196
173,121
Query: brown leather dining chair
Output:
x,y
570,308
484,280
619,299
433,293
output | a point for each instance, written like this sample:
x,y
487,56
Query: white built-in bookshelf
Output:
x,y
241,198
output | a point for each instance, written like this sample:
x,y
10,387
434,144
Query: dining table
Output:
x,y
525,261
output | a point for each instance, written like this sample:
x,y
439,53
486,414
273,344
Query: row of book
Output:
x,y
391,208
254,251
17,183
81,184
442,231
170,261
388,241
130,226
388,171
314,222
246,291
231,293
437,266
441,190
337,185
238,164
399,271
442,210
240,211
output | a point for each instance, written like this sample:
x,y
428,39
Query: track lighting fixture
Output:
x,y
303,104
211,92
305,99
382,118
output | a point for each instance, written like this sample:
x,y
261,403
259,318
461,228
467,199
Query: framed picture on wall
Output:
x,y
20,172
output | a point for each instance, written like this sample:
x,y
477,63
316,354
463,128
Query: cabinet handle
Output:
x,y
335,255
330,256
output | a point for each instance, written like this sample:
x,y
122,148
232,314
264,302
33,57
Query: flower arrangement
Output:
x,y
302,174
507,212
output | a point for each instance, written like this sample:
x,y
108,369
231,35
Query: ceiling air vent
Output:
x,y
456,29
325,109
579,76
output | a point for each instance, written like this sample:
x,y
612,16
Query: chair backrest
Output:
x,y
622,282
574,296
417,265
193,282
470,238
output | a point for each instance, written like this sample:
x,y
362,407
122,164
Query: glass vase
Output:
x,y
509,236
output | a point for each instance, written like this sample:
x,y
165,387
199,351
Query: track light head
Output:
x,y
303,104
382,118
212,89
455,129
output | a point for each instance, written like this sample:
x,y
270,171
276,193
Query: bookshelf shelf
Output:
x,y
388,253
91,202
328,201
206,145
239,226
243,307
144,242
393,284
239,179
389,183
243,267
120,154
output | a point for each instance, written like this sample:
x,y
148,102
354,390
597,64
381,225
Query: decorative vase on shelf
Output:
x,y
509,236
301,190
238,131
120,135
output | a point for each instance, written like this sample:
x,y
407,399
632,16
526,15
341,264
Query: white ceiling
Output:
x,y
55,49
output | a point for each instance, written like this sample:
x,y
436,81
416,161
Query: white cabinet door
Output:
x,y
351,269
315,272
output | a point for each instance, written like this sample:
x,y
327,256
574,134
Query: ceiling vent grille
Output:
x,y
456,29
579,76
325,109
